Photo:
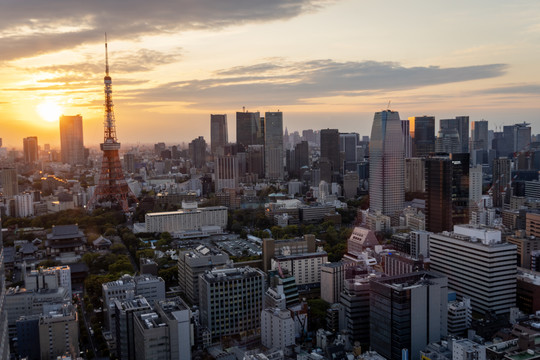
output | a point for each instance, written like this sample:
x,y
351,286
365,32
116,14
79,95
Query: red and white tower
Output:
x,y
112,189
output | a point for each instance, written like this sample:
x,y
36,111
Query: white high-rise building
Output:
x,y
386,165
273,145
478,266
24,205
475,185
277,328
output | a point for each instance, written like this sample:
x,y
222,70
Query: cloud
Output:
x,y
298,82
123,62
517,89
34,27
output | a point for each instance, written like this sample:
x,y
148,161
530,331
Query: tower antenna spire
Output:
x,y
106,57
112,189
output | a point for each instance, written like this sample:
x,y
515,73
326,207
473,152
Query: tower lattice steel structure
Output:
x,y
112,189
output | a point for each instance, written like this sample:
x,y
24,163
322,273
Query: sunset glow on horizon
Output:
x,y
323,63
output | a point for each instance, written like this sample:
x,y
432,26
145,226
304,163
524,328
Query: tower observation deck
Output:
x,y
112,189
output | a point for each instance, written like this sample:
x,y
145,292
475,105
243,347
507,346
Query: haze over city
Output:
x,y
319,62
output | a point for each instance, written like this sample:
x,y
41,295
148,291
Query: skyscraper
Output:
x,y
387,165
249,129
500,179
30,147
218,131
71,139
407,312
438,172
347,145
461,124
480,135
330,148
273,145
422,130
301,157
460,188
407,139
197,152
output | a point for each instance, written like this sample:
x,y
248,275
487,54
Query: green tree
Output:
x,y
170,275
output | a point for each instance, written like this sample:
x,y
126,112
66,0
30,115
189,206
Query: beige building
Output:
x,y
306,268
271,248
59,333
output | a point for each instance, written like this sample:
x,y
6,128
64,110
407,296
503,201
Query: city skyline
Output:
x,y
267,57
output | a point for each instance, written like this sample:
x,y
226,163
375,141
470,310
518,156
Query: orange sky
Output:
x,y
323,63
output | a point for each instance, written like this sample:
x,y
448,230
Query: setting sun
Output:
x,y
49,111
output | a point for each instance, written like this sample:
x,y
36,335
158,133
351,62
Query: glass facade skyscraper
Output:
x,y
386,165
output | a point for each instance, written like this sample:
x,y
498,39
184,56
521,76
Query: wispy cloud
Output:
x,y
34,27
517,89
295,83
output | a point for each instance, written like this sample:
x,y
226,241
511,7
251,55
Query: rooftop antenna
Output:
x,y
388,107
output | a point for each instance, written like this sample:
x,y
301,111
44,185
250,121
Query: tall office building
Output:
x,y
273,145
165,333
330,148
480,135
71,139
448,141
59,333
301,157
407,312
30,148
231,301
461,124
478,266
227,172
516,138
218,132
386,165
348,143
501,176
460,188
126,311
415,180
249,129
193,263
475,185
407,139
8,180
4,335
438,183
255,160
197,152
422,130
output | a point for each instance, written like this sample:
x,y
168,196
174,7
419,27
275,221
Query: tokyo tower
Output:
x,y
112,189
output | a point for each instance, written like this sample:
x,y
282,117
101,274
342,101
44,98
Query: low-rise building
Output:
x,y
277,328
189,218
